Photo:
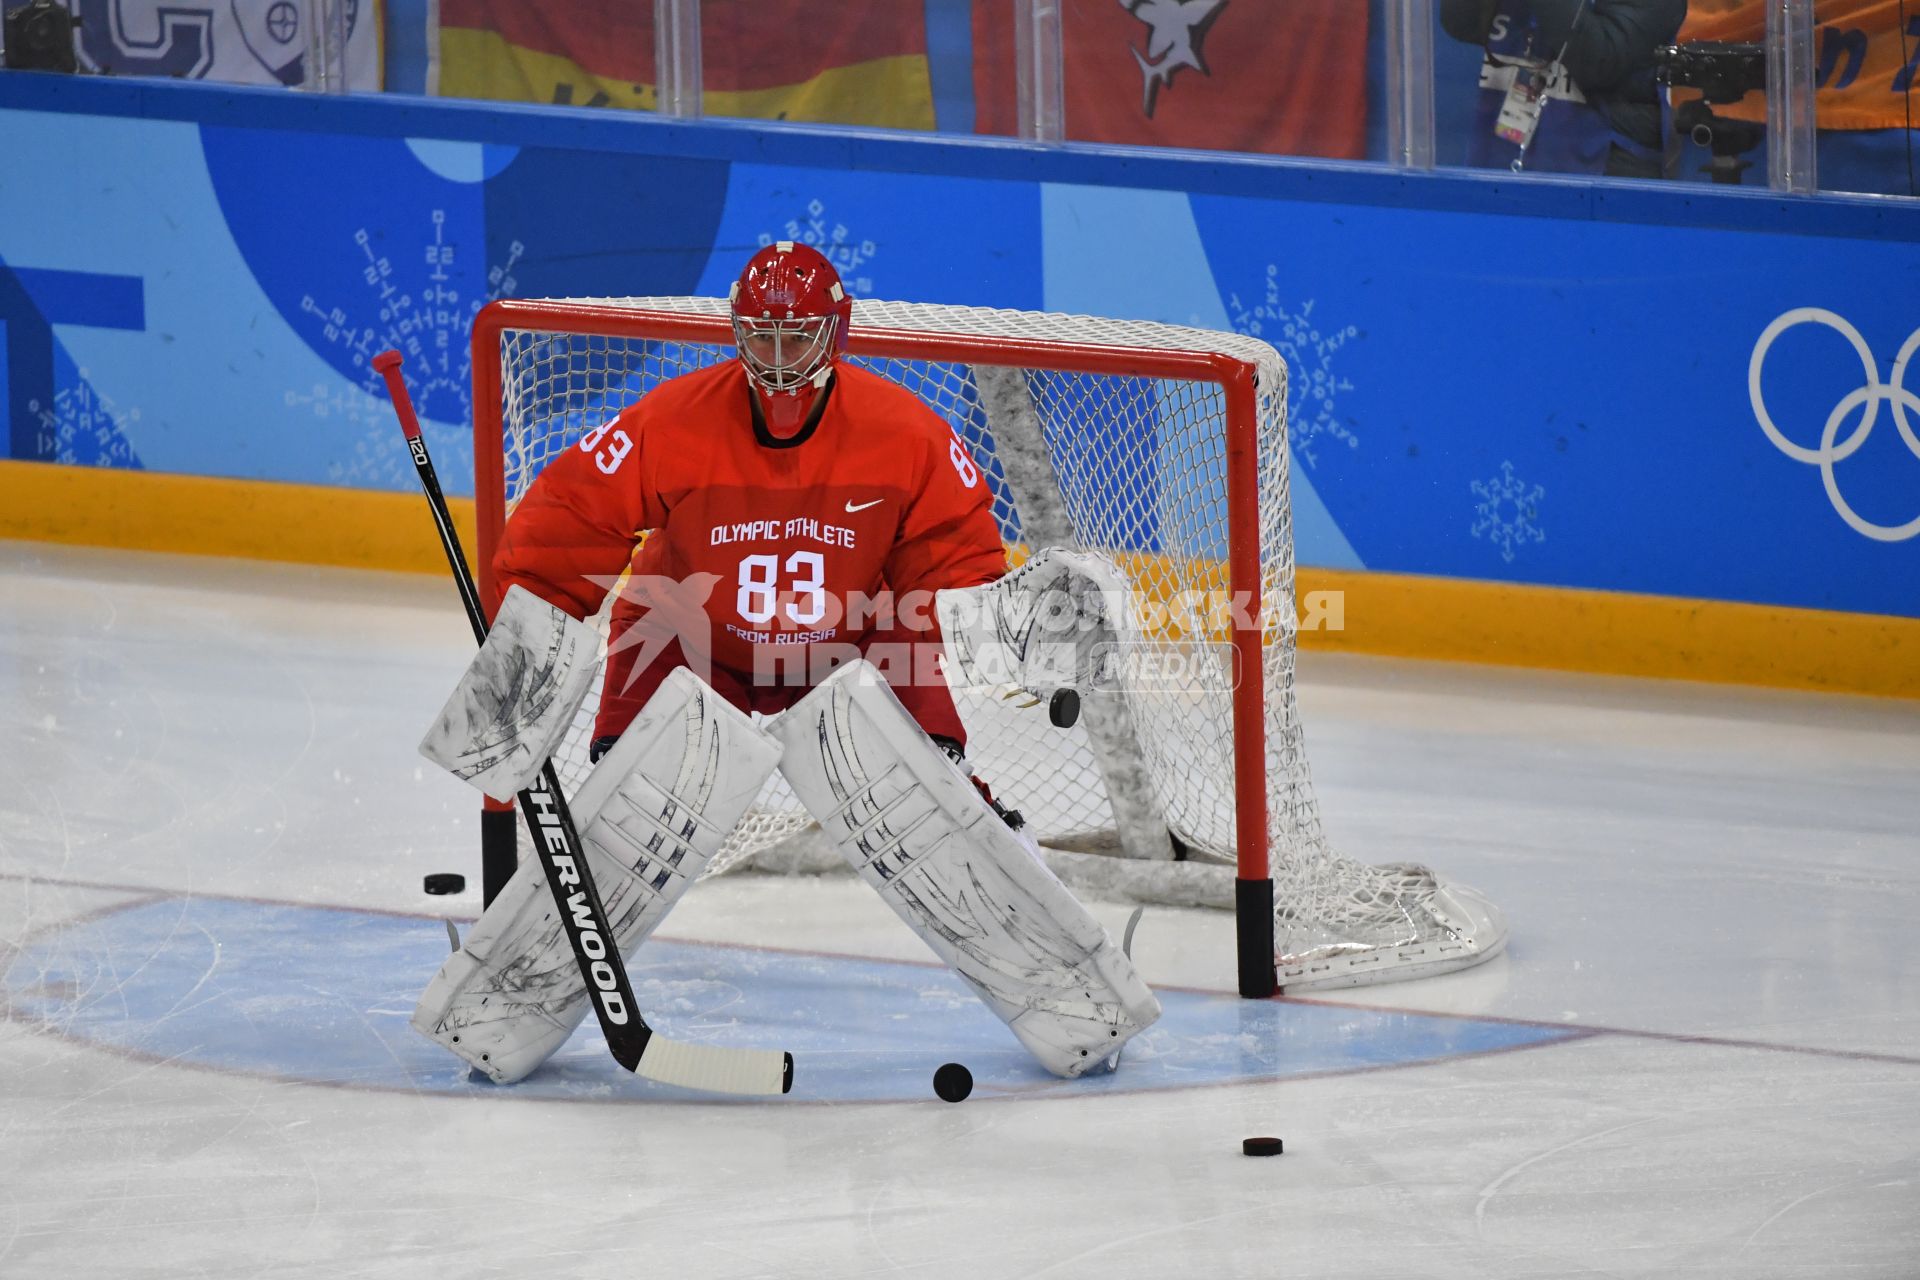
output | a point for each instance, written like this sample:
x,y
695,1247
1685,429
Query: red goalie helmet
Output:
x,y
790,319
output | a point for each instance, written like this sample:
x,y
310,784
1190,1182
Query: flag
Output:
x,y
1865,53
858,62
1279,77
238,43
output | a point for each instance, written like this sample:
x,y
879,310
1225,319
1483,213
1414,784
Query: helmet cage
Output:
x,y
785,355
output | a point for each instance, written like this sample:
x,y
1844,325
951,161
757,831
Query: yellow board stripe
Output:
x,y
1381,613
202,516
1617,632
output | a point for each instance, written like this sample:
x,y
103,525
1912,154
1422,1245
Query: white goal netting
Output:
x,y
1132,465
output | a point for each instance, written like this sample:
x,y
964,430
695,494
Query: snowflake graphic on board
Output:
x,y
835,243
1314,385
83,428
1507,510
421,312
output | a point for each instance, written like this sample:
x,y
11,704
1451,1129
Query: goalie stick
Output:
x,y
635,1046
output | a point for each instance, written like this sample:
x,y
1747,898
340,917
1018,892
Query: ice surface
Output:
x,y
1700,1056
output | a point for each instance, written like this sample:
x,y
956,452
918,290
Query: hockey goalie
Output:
x,y
783,534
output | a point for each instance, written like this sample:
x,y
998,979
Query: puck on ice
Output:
x,y
1260,1147
444,882
953,1082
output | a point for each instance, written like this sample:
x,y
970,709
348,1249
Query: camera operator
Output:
x,y
1567,86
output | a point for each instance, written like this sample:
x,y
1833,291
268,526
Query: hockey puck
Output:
x,y
445,882
953,1082
1260,1147
1063,708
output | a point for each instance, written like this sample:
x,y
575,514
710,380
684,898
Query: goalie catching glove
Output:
x,y
1046,626
517,698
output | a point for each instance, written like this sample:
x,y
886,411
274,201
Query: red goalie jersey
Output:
x,y
766,557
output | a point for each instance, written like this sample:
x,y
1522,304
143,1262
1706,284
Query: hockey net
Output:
x,y
1159,447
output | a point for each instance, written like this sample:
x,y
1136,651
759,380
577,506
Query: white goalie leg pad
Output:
x,y
920,832
651,815
517,698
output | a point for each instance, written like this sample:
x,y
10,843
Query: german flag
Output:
x,y
1865,54
855,62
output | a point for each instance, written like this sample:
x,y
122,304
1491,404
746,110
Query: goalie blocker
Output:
x,y
918,830
517,698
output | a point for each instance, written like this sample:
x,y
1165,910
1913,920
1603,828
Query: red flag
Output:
x,y
1280,77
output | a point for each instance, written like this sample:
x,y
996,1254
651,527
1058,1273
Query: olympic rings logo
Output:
x,y
1870,396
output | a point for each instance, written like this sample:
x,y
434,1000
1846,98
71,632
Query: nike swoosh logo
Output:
x,y
863,506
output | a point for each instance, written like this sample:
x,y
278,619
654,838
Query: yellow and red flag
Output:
x,y
859,62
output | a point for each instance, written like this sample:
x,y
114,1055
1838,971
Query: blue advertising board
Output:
x,y
1569,383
